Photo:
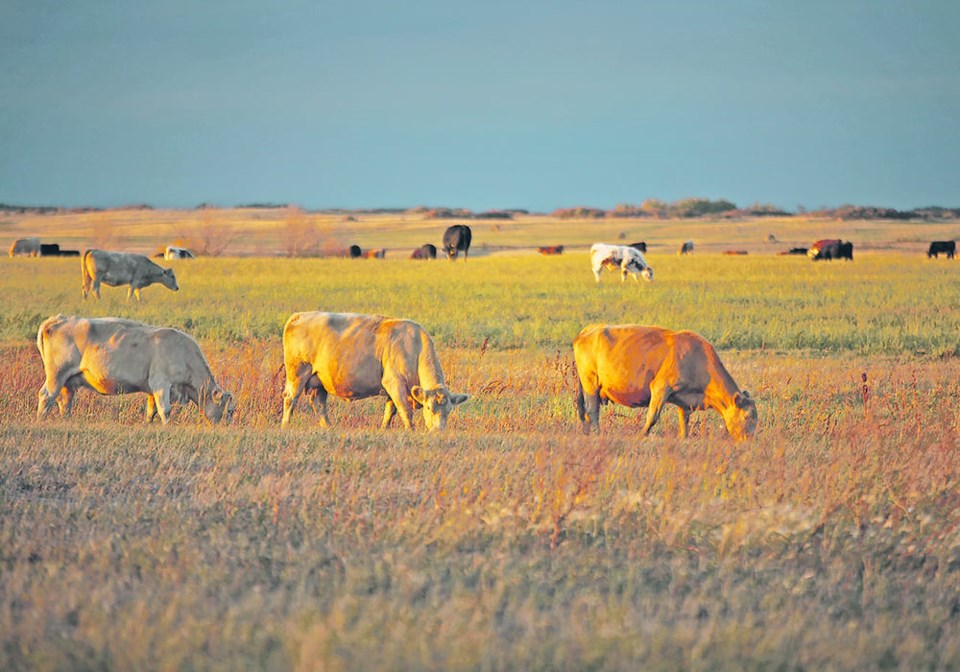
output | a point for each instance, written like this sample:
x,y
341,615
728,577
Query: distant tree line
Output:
x,y
652,207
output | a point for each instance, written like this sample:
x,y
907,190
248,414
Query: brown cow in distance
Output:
x,y
425,251
378,253
551,249
637,366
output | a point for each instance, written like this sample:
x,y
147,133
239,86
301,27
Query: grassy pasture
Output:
x,y
830,541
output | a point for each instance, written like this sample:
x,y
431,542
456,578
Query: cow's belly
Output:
x,y
105,384
631,398
351,392
115,280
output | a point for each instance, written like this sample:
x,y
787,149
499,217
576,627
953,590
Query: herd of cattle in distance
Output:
x,y
354,356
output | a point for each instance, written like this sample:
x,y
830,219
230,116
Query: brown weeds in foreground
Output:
x,y
830,540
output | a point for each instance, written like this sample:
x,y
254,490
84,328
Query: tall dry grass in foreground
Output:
x,y
830,541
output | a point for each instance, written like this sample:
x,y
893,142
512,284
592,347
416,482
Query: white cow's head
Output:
x,y
437,404
217,406
635,263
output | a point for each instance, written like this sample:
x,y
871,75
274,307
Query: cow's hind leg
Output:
x,y
68,393
388,412
296,383
55,392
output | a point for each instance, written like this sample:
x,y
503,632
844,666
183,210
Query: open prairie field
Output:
x,y
831,540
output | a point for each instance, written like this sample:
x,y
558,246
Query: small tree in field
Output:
x,y
302,236
103,234
207,237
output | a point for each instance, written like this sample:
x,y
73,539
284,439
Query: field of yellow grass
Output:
x,y
512,541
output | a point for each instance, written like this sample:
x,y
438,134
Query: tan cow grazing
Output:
x,y
25,247
115,356
121,268
358,356
638,366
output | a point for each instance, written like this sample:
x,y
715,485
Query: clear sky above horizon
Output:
x,y
537,104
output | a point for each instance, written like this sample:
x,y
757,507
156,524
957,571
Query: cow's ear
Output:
x,y
457,399
418,395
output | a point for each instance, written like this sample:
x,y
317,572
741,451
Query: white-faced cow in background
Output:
x,y
628,260
358,356
25,247
638,366
177,253
116,356
456,239
120,268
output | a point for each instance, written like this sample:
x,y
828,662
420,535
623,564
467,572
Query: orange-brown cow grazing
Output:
x,y
638,366
115,356
355,356
375,254
551,249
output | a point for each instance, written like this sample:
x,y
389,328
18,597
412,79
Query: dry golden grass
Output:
x,y
829,541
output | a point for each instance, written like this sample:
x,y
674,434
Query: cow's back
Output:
x,y
341,349
625,359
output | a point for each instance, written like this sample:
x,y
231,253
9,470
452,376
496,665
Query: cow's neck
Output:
x,y
721,391
428,366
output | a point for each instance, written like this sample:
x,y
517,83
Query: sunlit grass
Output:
x,y
512,541
882,304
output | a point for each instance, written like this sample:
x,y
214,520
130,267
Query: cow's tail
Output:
x,y
87,280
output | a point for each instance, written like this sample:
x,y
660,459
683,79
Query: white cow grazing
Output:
x,y
121,268
25,247
628,260
115,356
358,356
177,253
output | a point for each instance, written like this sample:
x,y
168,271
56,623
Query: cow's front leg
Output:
x,y
399,394
388,412
684,417
161,399
658,397
151,408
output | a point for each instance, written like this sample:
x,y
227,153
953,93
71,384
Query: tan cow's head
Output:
x,y
169,279
437,404
741,416
219,405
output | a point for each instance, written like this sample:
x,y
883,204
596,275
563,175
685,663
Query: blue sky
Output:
x,y
485,105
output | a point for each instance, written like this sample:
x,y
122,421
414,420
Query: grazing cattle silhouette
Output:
x,y
425,251
938,247
457,239
551,249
